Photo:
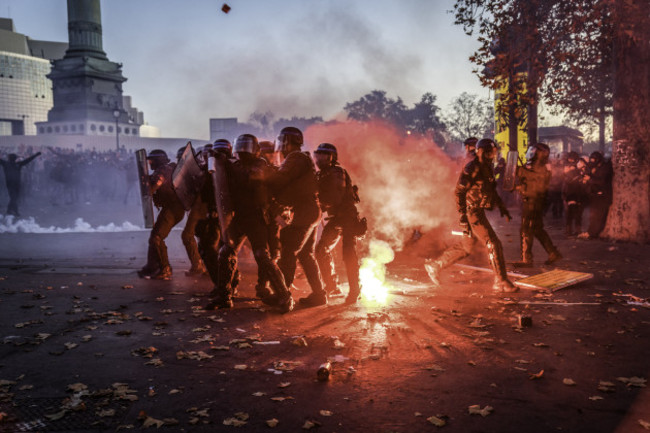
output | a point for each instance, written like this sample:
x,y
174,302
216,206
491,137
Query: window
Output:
x,y
93,127
101,128
110,129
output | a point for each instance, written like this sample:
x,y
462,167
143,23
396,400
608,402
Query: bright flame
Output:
x,y
372,273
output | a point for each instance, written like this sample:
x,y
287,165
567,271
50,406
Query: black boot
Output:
x,y
314,299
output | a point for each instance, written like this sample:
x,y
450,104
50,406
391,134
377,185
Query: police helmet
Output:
x,y
538,152
470,142
247,143
222,145
266,146
179,152
486,144
289,135
328,149
159,155
158,158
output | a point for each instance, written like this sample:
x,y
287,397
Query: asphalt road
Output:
x,y
87,346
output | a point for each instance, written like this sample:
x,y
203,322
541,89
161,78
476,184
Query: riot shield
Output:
x,y
218,169
510,173
145,190
187,177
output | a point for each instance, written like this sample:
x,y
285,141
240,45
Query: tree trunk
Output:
x,y
629,215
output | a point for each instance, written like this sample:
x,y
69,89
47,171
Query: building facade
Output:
x,y
25,91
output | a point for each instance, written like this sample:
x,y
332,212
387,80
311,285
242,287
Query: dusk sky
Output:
x,y
186,61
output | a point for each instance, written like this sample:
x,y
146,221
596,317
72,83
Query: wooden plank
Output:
x,y
553,280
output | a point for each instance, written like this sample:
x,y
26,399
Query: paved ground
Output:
x,y
90,347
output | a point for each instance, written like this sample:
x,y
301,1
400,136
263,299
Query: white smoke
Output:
x,y
8,224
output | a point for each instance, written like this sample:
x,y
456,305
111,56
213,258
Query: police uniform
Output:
x,y
475,193
295,185
247,180
534,180
171,213
337,198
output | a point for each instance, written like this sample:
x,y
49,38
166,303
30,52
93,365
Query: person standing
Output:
x,y
295,185
599,186
247,185
171,213
12,168
533,181
475,193
338,197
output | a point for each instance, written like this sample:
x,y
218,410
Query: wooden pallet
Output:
x,y
553,280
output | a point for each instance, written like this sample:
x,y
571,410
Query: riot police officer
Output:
x,y
475,193
247,177
208,230
196,213
171,213
12,168
338,198
533,181
294,185
275,213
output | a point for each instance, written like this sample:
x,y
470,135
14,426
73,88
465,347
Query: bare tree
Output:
x,y
470,116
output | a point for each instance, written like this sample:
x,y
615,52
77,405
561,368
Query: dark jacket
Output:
x,y
476,188
294,183
162,189
335,191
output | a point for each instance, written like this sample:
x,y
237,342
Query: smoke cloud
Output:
x,y
406,183
8,224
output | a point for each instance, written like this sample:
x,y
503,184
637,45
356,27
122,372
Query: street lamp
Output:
x,y
116,114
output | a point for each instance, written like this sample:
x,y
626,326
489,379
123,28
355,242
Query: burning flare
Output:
x,y
372,273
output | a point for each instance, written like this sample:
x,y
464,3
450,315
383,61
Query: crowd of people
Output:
x,y
65,176
242,194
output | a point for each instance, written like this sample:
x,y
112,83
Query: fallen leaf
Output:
x,y
234,422
310,424
259,394
175,391
284,384
87,338
644,424
596,397
338,344
70,346
281,398
438,422
325,413
220,348
639,382
245,345
605,386
540,344
240,367
149,422
569,382
56,416
299,341
534,376
106,412
272,422
476,410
